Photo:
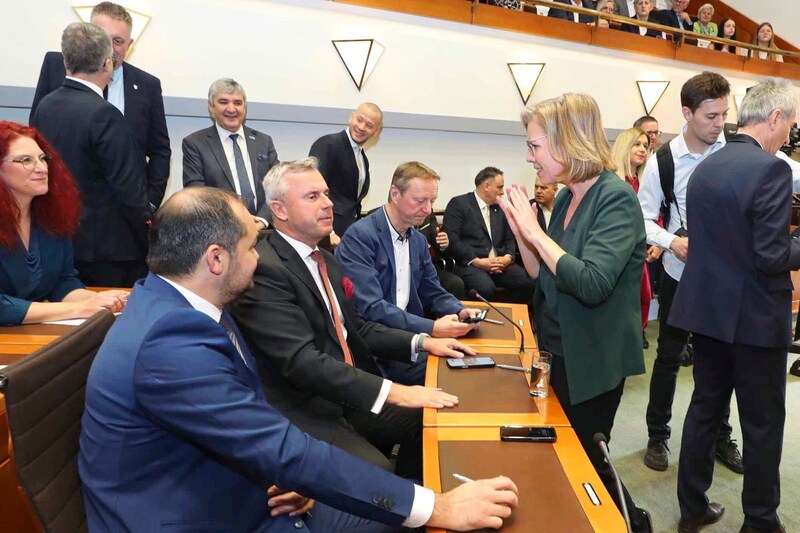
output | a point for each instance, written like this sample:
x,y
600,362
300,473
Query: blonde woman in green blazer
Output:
x,y
588,268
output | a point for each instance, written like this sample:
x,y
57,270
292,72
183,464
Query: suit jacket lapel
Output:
x,y
129,92
219,154
298,267
496,223
347,148
385,238
252,150
473,204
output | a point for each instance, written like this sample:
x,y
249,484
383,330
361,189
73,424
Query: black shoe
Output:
x,y
656,456
645,344
691,525
728,454
751,529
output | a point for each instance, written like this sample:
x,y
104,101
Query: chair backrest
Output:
x,y
45,395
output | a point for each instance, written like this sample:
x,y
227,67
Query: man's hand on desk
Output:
x,y
448,347
419,396
283,502
475,505
449,326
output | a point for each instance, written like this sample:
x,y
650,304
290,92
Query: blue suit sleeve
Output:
x,y
358,254
12,310
185,379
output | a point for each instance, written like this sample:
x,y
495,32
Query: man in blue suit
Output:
x,y
177,434
735,296
389,261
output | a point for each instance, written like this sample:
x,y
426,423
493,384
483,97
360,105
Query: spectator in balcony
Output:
x,y
704,25
644,13
608,7
677,17
729,32
507,4
568,15
765,36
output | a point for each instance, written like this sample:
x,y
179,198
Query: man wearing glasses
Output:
x,y
649,125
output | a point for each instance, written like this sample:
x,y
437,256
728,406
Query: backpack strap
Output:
x,y
666,173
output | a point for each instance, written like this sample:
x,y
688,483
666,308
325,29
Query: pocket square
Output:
x,y
252,137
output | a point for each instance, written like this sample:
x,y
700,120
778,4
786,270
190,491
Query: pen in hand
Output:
x,y
462,479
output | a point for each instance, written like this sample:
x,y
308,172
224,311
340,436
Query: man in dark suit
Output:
x,y
392,265
229,155
544,197
344,165
568,15
735,296
133,91
481,241
317,366
677,17
177,433
100,151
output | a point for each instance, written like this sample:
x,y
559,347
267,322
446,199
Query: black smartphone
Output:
x,y
471,362
528,434
477,318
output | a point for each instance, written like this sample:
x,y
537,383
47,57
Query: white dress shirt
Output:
x,y
227,146
402,265
116,90
651,196
89,84
424,499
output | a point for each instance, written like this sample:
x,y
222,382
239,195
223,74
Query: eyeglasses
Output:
x,y
530,143
656,133
28,162
608,7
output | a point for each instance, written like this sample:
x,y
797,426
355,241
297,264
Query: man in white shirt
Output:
x,y
177,429
316,354
229,155
705,103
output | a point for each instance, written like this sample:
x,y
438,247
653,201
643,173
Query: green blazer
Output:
x,y
595,293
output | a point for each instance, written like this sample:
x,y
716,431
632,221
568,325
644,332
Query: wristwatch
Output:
x,y
420,343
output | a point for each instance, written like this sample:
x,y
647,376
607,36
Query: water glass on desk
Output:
x,y
540,374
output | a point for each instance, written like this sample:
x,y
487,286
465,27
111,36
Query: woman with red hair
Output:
x,y
39,213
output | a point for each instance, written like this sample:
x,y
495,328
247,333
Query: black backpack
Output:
x,y
666,172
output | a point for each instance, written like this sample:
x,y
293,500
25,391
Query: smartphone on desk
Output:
x,y
471,362
477,318
528,434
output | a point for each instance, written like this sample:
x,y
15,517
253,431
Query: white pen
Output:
x,y
493,321
462,479
512,367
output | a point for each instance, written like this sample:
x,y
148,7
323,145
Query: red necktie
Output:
x,y
316,255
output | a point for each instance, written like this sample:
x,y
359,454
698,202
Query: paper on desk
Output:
x,y
68,322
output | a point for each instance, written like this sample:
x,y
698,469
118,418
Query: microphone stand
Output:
x,y
474,294
600,440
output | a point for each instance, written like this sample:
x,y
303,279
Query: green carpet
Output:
x,y
656,491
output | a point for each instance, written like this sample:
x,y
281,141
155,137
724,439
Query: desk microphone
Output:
x,y
474,295
600,440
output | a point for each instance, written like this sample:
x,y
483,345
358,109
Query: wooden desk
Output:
x,y
550,478
490,396
19,341
505,336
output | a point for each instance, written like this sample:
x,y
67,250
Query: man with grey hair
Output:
x,y
229,155
101,152
735,296
315,352
133,91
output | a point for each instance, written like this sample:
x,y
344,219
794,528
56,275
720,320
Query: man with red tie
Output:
x,y
315,353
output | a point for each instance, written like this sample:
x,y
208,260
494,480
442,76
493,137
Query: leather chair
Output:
x,y
45,394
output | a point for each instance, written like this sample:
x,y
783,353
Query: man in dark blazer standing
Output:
x,y
100,151
229,155
735,297
481,241
344,165
133,91
177,433
317,367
